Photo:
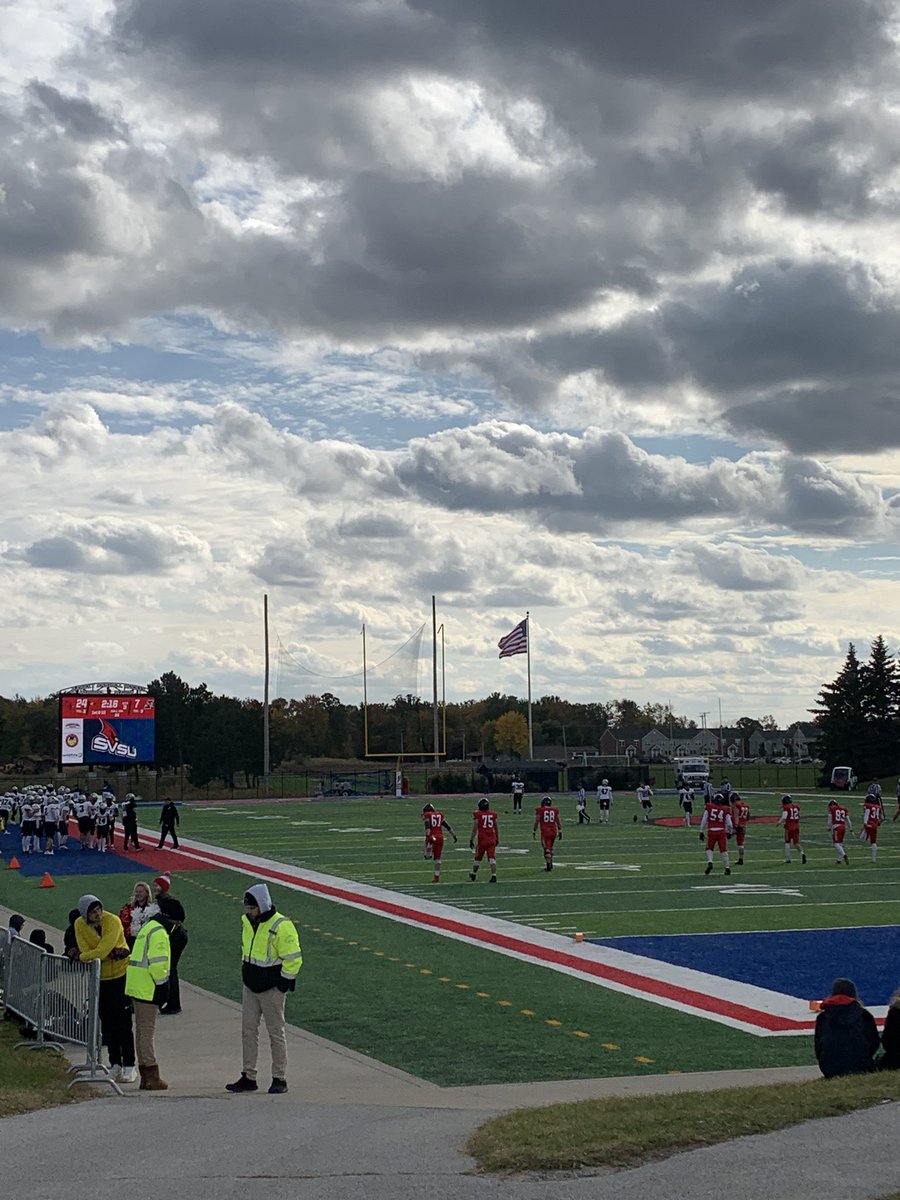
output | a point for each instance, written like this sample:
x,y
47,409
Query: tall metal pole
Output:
x,y
365,697
266,763
721,734
434,679
528,648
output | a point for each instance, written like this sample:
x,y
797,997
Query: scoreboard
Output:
x,y
108,730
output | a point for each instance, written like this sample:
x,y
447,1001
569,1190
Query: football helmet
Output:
x,y
484,804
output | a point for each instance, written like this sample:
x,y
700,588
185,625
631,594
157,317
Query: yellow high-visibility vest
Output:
x,y
150,962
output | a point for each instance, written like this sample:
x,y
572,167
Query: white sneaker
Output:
x,y
129,1075
115,1071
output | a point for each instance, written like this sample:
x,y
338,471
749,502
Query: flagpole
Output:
x,y
528,651
266,689
434,677
365,697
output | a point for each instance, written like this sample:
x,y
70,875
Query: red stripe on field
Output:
x,y
630,979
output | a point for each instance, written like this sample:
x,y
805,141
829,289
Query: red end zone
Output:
x,y
163,862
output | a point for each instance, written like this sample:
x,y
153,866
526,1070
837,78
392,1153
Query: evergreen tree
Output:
x,y
881,708
841,717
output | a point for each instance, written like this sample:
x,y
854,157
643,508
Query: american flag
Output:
x,y
515,642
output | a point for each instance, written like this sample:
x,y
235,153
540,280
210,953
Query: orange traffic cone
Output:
x,y
47,881
14,864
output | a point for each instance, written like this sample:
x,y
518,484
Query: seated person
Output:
x,y
846,1035
890,1037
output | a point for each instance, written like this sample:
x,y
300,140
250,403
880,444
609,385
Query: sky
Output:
x,y
587,310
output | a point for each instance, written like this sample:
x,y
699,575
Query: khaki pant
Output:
x,y
270,1006
144,1032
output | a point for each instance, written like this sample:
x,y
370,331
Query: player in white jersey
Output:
x,y
101,825
604,799
686,803
645,797
30,811
84,815
50,830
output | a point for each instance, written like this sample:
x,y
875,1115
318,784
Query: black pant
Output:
x,y
115,1022
178,940
130,831
162,836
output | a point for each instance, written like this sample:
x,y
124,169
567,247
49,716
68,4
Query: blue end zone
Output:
x,y
73,861
796,962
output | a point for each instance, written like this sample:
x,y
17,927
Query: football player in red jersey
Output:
x,y
546,818
435,824
716,827
838,824
873,815
790,819
486,829
740,815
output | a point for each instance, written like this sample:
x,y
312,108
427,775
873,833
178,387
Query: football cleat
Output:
x,y
708,870
472,876
493,879
728,870
803,859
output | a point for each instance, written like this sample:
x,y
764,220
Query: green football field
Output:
x,y
459,1014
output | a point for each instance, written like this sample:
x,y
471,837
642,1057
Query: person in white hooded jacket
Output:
x,y
270,960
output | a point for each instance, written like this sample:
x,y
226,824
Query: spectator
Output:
x,y
168,820
271,959
171,916
15,926
890,1037
99,935
846,1035
137,912
70,942
147,983
39,938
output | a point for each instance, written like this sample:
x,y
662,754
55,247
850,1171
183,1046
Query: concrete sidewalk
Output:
x,y
351,1126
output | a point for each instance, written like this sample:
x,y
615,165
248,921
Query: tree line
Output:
x,y
221,737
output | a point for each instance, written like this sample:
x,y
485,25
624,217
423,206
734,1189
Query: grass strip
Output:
x,y
626,1131
31,1079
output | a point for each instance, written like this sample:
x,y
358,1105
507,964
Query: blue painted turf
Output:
x,y
796,962
73,861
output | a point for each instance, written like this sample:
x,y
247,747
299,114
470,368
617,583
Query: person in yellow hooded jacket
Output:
x,y
147,983
99,935
271,959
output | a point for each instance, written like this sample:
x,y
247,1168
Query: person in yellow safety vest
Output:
x,y
147,983
271,955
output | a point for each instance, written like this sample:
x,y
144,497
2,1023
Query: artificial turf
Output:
x,y
458,1014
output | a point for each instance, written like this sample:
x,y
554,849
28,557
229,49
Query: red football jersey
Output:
x,y
791,814
716,815
486,824
837,815
874,812
548,816
741,811
433,821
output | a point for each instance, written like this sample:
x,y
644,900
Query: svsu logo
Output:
x,y
107,742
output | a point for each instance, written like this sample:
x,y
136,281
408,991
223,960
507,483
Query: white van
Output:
x,y
843,779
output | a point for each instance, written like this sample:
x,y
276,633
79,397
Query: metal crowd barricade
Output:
x,y
4,961
59,997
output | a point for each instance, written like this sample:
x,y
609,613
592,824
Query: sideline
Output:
x,y
730,1002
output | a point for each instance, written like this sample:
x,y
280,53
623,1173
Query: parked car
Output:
x,y
843,779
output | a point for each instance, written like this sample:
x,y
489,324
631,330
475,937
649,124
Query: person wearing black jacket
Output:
x,y
890,1037
168,819
846,1034
129,821
171,917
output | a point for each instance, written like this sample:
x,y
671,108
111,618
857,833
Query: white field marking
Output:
x,y
407,838
281,817
746,889
356,829
763,1000
309,822
614,913
602,866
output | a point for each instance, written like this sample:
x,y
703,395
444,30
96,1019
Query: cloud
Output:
x,y
101,547
738,568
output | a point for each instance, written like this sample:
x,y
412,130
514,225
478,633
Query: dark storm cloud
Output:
x,y
818,420
721,45
79,117
323,37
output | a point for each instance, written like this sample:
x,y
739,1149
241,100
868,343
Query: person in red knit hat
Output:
x,y
171,917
